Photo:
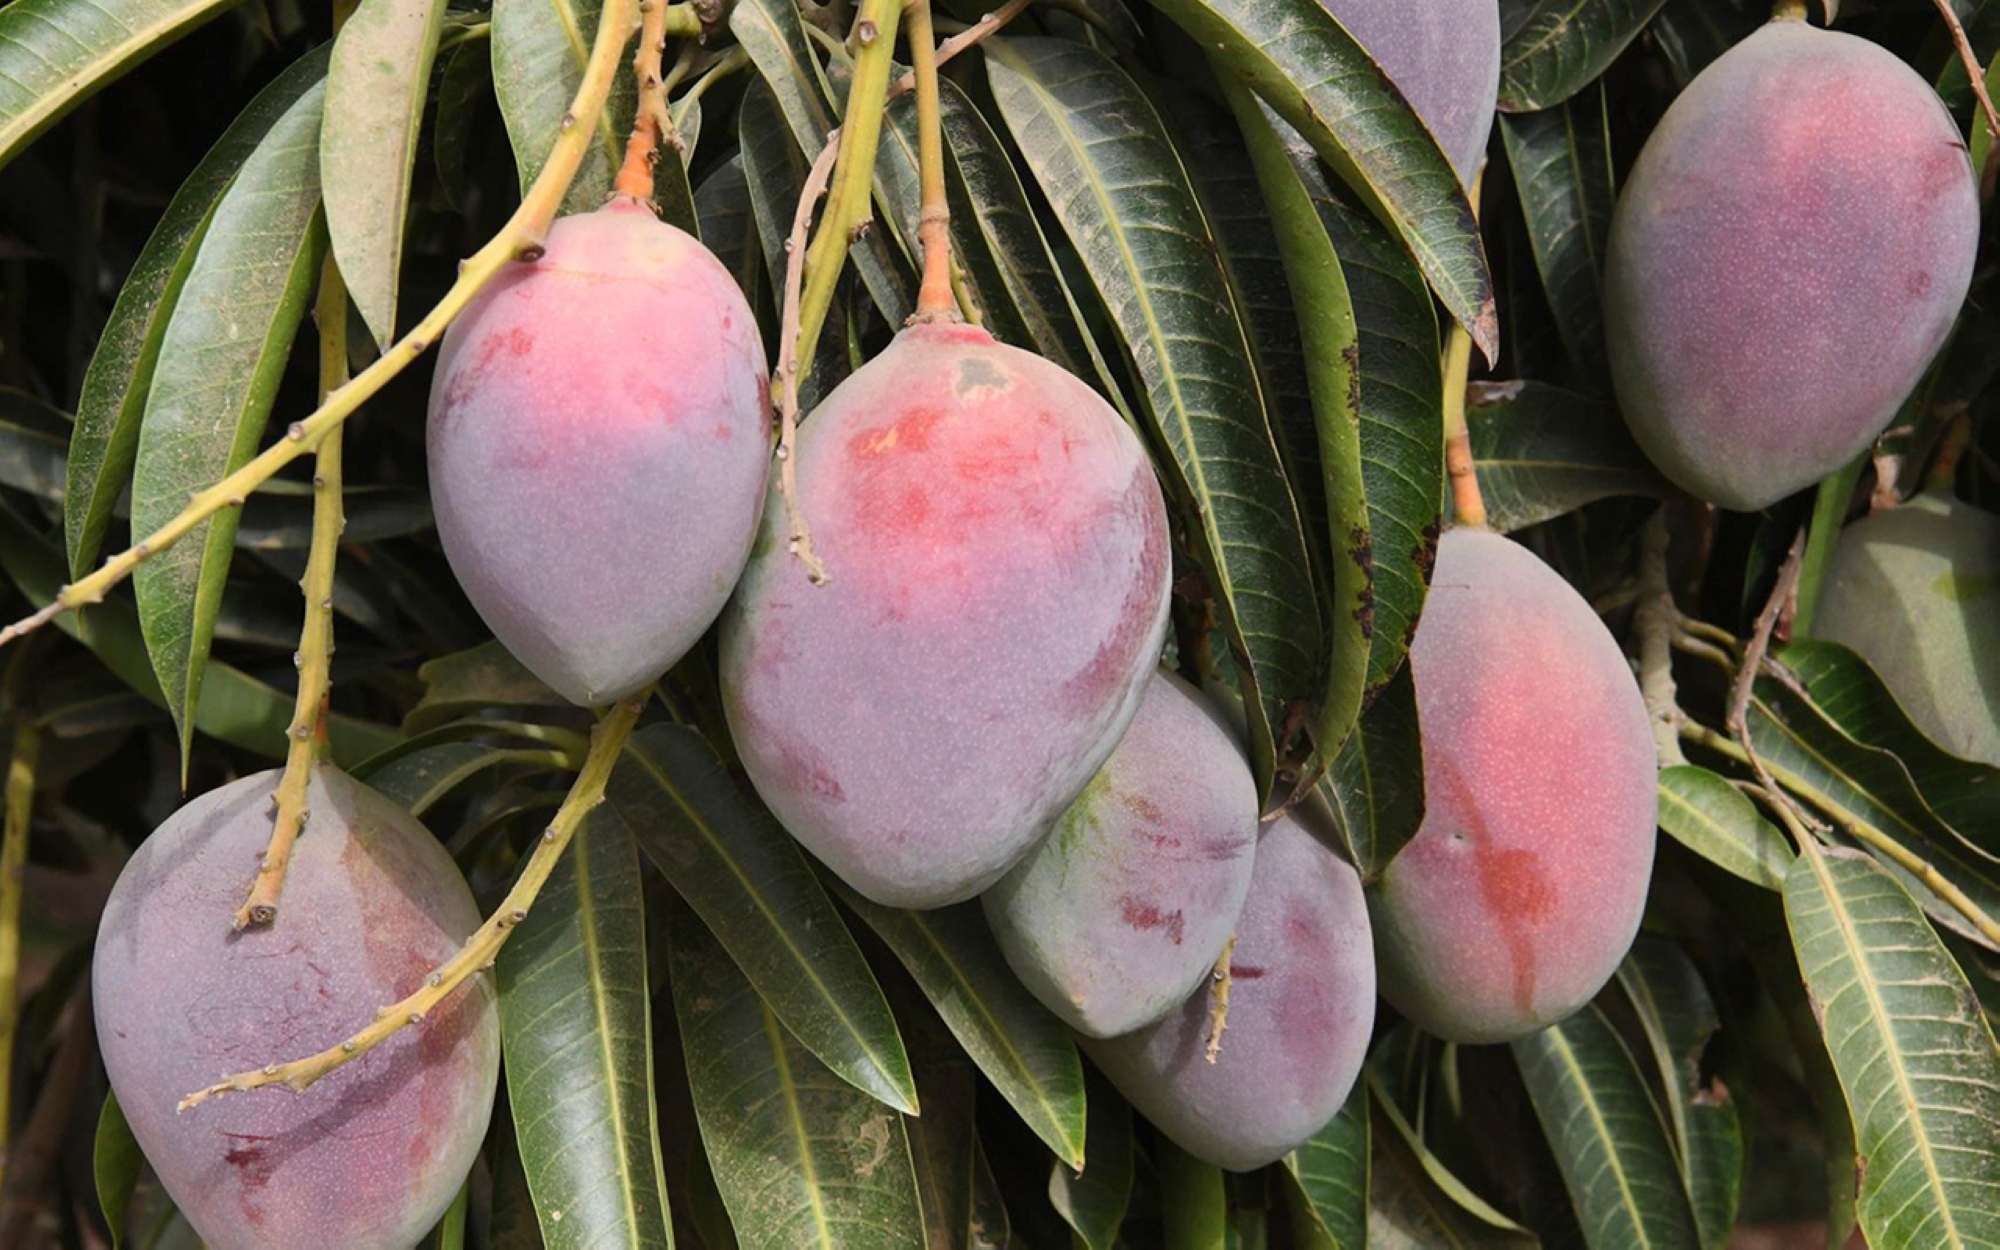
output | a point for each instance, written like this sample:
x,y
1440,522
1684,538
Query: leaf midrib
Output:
x,y
1560,1043
781,1067
586,912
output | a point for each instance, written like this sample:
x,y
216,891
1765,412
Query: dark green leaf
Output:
x,y
32,460
1026,1052
115,1164
1914,1053
220,362
474,680
578,1038
992,1229
1376,785
1541,451
1093,1199
1552,49
54,54
728,226
1694,32
1331,1173
1718,822
463,91
418,781
1415,1203
539,51
121,369
1194,1201
375,91
1607,1136
1561,161
802,1157
737,867
1096,146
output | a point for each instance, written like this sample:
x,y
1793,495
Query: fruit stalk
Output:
x,y
519,239
935,298
652,124
1466,505
306,736
606,741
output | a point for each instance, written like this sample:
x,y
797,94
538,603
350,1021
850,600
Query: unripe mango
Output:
x,y
1915,591
1444,56
998,550
369,1157
1523,887
1120,912
1784,261
599,439
1301,1006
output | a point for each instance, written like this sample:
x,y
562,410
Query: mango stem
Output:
x,y
936,300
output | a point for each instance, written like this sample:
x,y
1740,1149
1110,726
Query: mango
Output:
x,y
1444,56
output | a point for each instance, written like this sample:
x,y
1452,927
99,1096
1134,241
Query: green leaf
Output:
x,y
1376,785
577,1033
1678,1019
55,54
802,1157
539,50
942,1141
728,227
1608,1140
419,780
1026,1052
474,680
1306,66
1093,1198
106,437
115,1161
1194,1200
1552,49
1097,148
235,708
733,863
1541,451
32,459
992,1228
1703,812
463,91
1330,1172
1913,1051
375,91
220,363
1415,1203
1694,32
1561,161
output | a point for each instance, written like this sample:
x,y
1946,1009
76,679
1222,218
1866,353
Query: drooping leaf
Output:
x,y
728,226
1194,1200
577,1033
1561,161
115,1161
1024,1051
55,54
1415,1203
1541,451
473,680
1718,822
106,437
1376,785
802,1157
1306,66
1607,1136
1331,1173
1678,1019
738,868
539,49
419,780
375,91
220,362
1094,1198
1094,143
1914,1054
1552,49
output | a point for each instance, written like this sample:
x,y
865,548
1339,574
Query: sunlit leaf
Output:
x,y
539,48
1718,822
1093,1199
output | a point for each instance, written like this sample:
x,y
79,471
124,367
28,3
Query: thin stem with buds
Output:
x,y
479,951
652,124
520,239
1976,75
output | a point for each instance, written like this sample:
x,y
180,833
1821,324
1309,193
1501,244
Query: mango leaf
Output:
x,y
375,89
577,1033
1330,1171
1376,785
220,362
1093,1198
420,780
1606,1134
1913,1052
1194,1200
1552,49
115,1162
474,680
1097,148
992,1228
55,54
1026,1052
727,225
1693,33
463,91
802,1157
942,1139
1541,451
235,708
539,50
32,459
1415,1203
1703,812
733,863
1561,162
106,437
1678,1019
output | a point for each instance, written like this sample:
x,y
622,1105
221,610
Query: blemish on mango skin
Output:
x,y
1145,917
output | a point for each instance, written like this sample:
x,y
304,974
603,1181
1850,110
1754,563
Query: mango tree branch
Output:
x,y
606,741
315,654
936,300
520,239
651,123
